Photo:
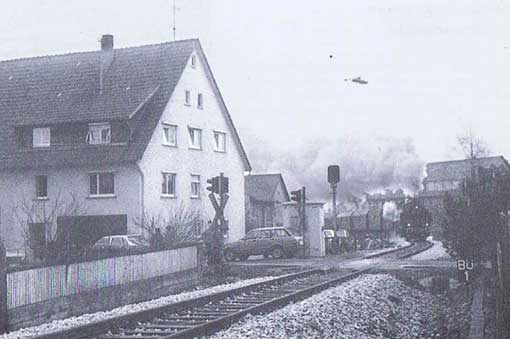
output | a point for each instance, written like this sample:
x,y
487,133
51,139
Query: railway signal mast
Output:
x,y
334,179
218,186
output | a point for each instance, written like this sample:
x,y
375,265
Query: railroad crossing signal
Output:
x,y
219,186
214,185
296,196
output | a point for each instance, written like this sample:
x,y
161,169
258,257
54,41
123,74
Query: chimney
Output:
x,y
107,42
106,58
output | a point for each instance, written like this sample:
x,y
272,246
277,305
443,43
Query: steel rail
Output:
x,y
203,317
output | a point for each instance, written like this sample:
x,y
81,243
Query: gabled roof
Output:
x,y
262,187
461,169
138,84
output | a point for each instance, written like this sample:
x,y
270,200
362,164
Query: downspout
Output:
x,y
142,195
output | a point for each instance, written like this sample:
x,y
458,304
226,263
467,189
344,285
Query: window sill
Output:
x,y
195,148
220,151
41,199
168,196
195,197
102,196
169,145
185,104
200,107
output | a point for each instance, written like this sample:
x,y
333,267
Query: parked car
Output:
x,y
277,242
114,243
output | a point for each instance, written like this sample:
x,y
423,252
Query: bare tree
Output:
x,y
182,224
45,213
472,146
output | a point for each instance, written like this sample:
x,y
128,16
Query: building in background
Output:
x,y
265,194
445,178
108,137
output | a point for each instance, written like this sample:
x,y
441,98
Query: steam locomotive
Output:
x,y
415,221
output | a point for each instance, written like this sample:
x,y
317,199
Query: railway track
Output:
x,y
206,315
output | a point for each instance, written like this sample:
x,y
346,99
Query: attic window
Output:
x,y
41,137
99,133
200,101
194,61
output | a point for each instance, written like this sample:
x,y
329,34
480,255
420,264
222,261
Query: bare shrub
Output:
x,y
181,225
29,212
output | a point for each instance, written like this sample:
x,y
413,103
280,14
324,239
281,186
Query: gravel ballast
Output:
x,y
370,306
93,317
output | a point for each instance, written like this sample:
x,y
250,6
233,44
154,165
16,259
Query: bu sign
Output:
x,y
465,268
333,174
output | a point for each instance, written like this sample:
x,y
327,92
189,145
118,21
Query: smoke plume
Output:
x,y
365,165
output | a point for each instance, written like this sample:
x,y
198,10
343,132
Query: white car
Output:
x,y
121,242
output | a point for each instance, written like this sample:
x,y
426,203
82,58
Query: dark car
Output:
x,y
275,241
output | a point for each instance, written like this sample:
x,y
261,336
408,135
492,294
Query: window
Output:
x,y
99,133
102,184
41,137
200,100
280,233
187,98
103,241
219,141
194,61
168,186
118,243
195,138
169,135
41,186
252,234
195,186
265,234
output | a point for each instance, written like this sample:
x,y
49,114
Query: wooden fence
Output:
x,y
40,284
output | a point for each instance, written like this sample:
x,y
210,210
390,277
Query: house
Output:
x,y
265,194
445,178
124,134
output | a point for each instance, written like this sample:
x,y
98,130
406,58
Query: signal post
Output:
x,y
218,186
299,196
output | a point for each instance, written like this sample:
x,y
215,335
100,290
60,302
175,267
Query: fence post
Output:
x,y
3,289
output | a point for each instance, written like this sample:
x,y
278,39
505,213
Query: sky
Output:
x,y
434,68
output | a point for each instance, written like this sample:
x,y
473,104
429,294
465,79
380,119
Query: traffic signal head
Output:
x,y
296,196
333,174
224,185
214,184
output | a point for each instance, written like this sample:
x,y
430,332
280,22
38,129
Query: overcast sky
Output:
x,y
434,67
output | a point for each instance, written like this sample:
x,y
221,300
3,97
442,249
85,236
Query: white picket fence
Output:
x,y
40,284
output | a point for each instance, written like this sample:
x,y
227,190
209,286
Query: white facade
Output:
x,y
184,161
315,245
138,187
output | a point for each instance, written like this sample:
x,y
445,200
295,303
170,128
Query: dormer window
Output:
x,y
41,137
99,133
